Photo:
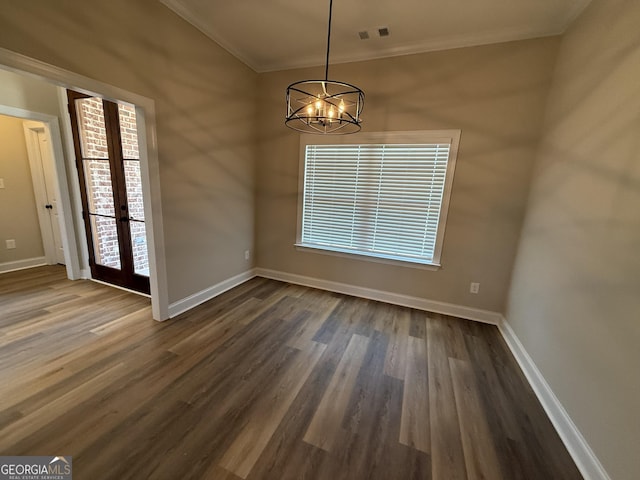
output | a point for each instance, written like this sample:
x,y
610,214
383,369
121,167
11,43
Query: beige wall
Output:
x,y
27,93
575,302
34,95
204,109
494,94
18,214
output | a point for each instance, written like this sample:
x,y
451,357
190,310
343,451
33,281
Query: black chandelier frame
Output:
x,y
324,106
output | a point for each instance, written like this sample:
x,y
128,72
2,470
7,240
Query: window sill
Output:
x,y
369,258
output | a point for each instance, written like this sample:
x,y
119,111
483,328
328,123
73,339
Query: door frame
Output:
x,y
36,162
67,231
124,275
149,164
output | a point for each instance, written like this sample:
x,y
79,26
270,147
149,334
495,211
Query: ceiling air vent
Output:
x,y
383,31
363,35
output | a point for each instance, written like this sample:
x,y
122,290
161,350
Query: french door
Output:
x,y
106,148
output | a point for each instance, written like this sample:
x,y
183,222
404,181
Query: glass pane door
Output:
x,y
98,183
133,183
106,144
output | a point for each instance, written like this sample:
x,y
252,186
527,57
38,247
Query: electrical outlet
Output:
x,y
475,287
11,244
246,254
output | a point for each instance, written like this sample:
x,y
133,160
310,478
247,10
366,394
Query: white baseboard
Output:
x,y
181,306
22,264
460,311
578,448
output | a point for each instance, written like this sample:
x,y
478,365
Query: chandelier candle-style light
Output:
x,y
324,106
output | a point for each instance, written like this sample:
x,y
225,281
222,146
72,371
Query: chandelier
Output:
x,y
324,106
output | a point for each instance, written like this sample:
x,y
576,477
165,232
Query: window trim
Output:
x,y
418,137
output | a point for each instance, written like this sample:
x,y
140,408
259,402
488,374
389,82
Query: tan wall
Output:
x,y
21,220
575,301
35,95
494,94
21,91
18,214
204,109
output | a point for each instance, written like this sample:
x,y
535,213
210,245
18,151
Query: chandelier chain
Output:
x,y
326,107
326,68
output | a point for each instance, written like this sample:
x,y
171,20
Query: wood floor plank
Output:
x,y
486,372
223,303
303,338
447,456
455,345
217,400
39,378
414,425
268,413
395,362
223,327
383,319
369,447
216,472
238,376
343,320
535,429
325,425
113,460
271,380
418,324
480,455
31,423
219,328
106,407
127,322
287,456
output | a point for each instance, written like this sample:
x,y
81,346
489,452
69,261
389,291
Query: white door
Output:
x,y
45,188
52,199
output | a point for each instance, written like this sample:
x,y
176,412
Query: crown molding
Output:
x,y
428,45
431,45
187,14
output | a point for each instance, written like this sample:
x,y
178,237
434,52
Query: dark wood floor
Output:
x,y
267,381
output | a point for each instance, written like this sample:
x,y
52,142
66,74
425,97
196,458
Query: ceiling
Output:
x,y
282,34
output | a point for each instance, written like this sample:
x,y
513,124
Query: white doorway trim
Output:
x,y
45,179
68,234
147,140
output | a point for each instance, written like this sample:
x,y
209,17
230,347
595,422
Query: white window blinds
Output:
x,y
382,200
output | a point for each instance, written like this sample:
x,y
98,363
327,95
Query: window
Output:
x,y
379,195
